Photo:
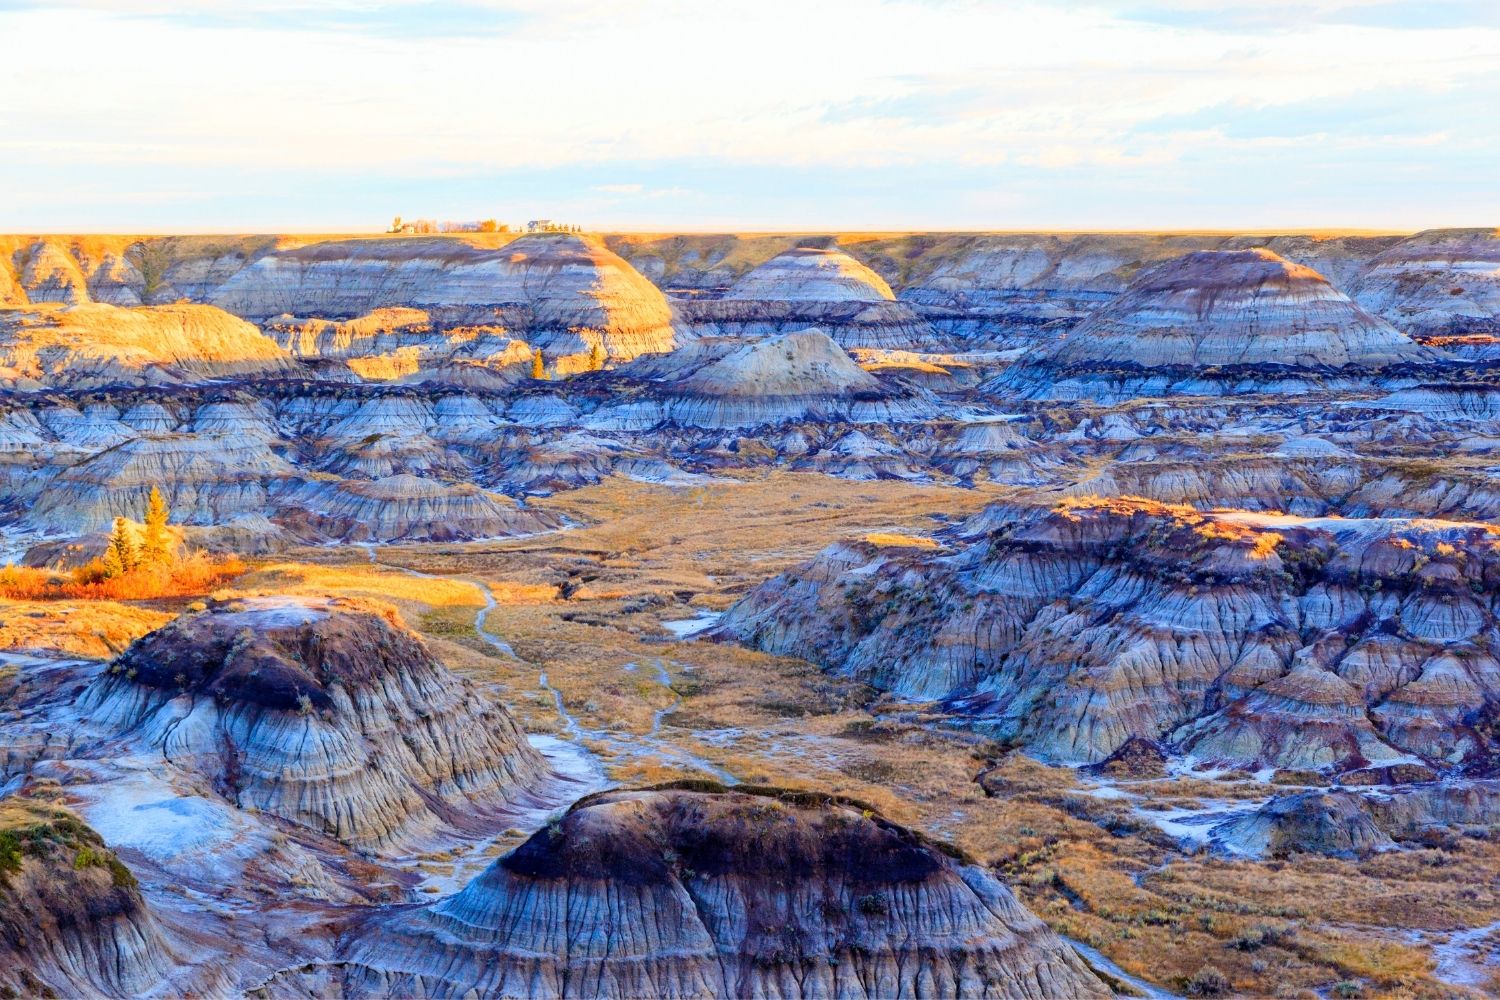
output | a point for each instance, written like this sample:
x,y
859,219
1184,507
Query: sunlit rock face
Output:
x,y
1241,639
407,508
72,919
558,292
1210,316
407,344
1349,823
796,376
95,344
806,287
1444,282
674,892
326,712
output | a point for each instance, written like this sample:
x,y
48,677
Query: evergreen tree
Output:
x,y
596,357
538,366
120,557
157,547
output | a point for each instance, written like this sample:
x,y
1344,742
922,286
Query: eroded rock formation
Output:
x,y
1438,284
325,712
1242,639
806,287
558,292
685,892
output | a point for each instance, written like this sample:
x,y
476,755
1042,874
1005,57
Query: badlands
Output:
x,y
854,615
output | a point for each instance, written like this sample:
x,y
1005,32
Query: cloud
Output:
x,y
1101,92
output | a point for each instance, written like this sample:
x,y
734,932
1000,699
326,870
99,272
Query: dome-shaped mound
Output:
x,y
808,274
413,509
97,344
813,287
556,291
1237,307
684,891
1442,282
792,376
326,712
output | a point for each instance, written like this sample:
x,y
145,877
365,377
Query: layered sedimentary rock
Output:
x,y
325,712
806,287
793,376
72,919
561,293
685,892
1437,284
1195,322
1248,640
403,343
96,344
1354,824
409,509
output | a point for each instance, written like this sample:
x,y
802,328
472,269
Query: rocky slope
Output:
x,y
558,292
1351,823
407,508
72,918
789,377
325,712
1209,318
92,345
812,287
1240,639
1445,282
695,891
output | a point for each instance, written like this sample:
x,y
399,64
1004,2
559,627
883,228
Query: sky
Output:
x,y
335,115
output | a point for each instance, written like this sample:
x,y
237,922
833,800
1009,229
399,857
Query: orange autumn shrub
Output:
x,y
187,577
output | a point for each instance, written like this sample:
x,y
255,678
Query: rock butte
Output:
x,y
720,893
1249,311
557,292
1240,639
1437,283
328,713
812,287
95,344
788,377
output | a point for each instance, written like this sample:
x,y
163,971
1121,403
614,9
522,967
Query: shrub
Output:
x,y
1208,982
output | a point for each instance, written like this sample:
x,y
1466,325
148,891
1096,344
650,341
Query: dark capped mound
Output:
x,y
327,712
695,890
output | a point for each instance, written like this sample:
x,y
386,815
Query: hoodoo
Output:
x,y
326,712
1246,640
1210,316
559,292
814,287
698,891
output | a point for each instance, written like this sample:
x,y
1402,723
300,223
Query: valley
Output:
x,y
1013,615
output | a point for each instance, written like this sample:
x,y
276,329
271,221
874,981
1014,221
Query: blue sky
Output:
x,y
274,115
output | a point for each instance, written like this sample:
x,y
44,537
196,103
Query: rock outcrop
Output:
x,y
96,344
789,377
1437,284
561,293
72,919
1209,317
1355,824
810,287
696,891
408,508
1241,639
325,712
